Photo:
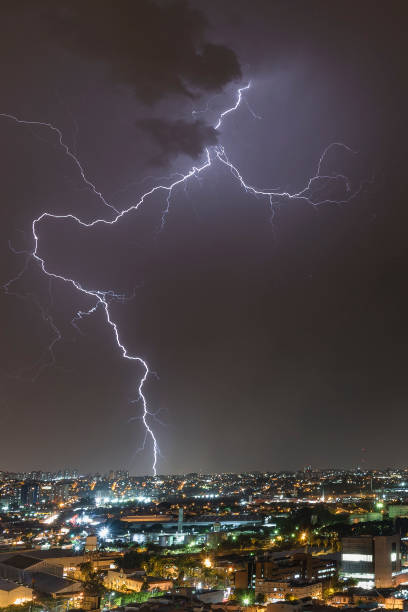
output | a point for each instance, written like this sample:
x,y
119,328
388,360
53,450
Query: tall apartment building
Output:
x,y
29,493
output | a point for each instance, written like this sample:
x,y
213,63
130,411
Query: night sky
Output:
x,y
276,344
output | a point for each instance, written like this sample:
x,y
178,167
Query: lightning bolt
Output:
x,y
67,150
233,108
307,192
101,299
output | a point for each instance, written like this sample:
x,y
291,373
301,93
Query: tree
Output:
x,y
349,582
94,586
132,560
46,601
165,567
122,599
243,541
260,598
29,606
151,546
244,596
86,569
209,576
92,581
188,568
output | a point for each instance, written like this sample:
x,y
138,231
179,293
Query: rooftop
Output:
x,y
20,561
8,585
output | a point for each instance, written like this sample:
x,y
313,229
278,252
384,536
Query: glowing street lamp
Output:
x,y
103,533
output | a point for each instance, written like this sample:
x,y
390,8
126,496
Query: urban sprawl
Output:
x,y
306,541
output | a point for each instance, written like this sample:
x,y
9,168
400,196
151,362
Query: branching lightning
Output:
x,y
101,299
67,150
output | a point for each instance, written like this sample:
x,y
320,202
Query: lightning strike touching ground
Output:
x,y
103,298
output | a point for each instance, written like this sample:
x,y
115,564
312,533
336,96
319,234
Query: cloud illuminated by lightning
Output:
x,y
101,299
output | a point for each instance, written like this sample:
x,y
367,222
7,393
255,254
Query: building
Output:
x,y
383,598
296,566
15,567
91,543
62,491
297,589
364,517
124,580
296,574
40,574
29,493
13,594
373,561
155,583
134,580
57,561
397,510
246,577
55,586
211,596
273,574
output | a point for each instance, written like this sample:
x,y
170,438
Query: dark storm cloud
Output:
x,y
175,137
156,48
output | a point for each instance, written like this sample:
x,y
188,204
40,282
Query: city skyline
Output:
x,y
313,537
73,473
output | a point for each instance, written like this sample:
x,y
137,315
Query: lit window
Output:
x,y
356,557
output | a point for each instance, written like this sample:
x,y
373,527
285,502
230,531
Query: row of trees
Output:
x,y
181,568
116,600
